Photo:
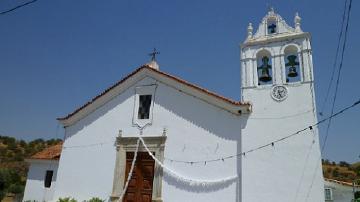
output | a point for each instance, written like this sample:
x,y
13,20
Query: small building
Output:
x,y
339,191
41,178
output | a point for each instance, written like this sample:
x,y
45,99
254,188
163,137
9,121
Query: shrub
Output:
x,y
335,172
357,195
66,199
328,170
2,195
344,164
16,188
95,199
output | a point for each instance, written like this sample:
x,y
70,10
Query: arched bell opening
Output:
x,y
264,67
292,64
272,26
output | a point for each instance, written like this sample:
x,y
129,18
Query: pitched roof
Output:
x,y
341,182
50,153
162,74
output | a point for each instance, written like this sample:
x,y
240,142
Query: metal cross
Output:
x,y
153,54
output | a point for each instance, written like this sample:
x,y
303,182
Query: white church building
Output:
x,y
155,137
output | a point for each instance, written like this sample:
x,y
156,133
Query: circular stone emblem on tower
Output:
x,y
279,93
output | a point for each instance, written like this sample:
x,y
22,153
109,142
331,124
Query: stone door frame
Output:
x,y
128,144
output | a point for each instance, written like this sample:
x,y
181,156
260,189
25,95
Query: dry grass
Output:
x,y
346,174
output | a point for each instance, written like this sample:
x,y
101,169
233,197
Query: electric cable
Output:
x,y
335,94
335,60
17,7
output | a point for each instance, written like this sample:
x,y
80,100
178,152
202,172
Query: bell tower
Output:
x,y
277,78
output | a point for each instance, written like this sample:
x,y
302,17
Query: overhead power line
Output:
x,y
338,75
17,7
335,60
335,93
273,142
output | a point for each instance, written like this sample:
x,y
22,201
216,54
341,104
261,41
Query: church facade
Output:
x,y
155,137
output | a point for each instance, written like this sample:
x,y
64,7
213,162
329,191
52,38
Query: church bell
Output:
x,y
292,72
291,64
265,75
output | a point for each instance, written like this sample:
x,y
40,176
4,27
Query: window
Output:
x,y
328,194
48,178
271,26
264,67
292,64
144,106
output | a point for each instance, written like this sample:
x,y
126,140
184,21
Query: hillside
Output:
x,y
341,171
13,168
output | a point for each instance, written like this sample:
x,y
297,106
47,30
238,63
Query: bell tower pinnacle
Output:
x,y
277,78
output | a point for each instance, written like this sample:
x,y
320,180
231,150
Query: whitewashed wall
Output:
x,y
195,131
341,193
35,189
284,172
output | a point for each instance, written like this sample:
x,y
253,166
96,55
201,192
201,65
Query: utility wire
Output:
x,y
17,7
273,142
338,75
335,94
335,61
243,153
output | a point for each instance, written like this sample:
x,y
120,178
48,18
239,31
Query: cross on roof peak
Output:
x,y
153,54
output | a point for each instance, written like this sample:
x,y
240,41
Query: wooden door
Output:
x,y
141,183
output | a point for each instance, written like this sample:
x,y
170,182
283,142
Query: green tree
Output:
x,y
344,164
16,188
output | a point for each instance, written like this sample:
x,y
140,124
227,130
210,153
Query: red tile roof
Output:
x,y
341,182
50,153
163,74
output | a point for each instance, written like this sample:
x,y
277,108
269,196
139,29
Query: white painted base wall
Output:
x,y
340,193
286,171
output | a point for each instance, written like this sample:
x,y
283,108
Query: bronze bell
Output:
x,y
291,64
292,72
265,75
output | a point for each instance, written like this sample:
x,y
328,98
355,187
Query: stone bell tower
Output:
x,y
277,78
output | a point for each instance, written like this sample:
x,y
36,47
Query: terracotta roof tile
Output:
x,y
159,72
341,182
50,153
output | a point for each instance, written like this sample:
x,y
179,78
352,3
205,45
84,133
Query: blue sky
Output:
x,y
56,55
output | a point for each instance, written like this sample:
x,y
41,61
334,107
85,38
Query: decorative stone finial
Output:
x,y
250,31
297,21
271,10
164,131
